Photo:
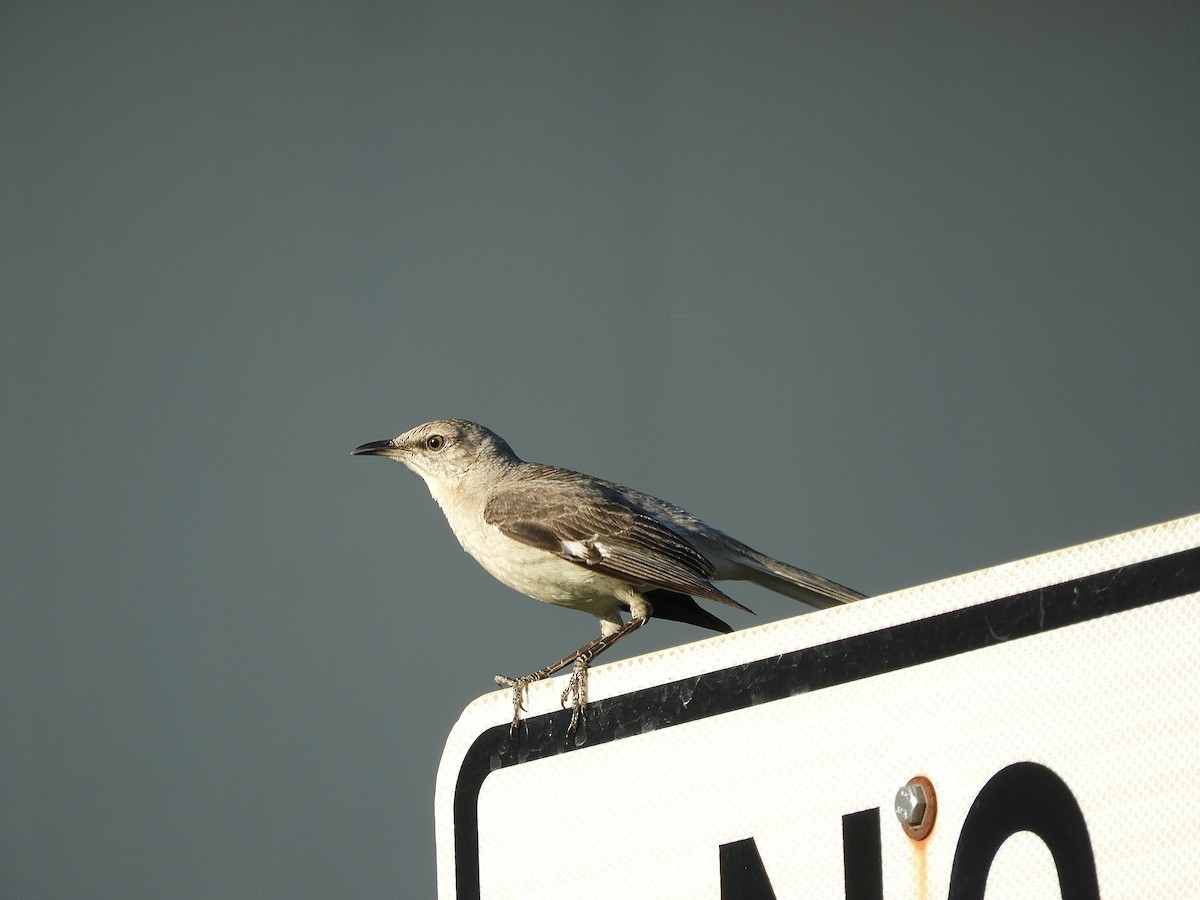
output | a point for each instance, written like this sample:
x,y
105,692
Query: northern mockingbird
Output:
x,y
566,538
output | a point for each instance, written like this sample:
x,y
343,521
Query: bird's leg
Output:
x,y
576,687
577,684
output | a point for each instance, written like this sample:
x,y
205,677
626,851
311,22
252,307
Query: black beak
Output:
x,y
375,448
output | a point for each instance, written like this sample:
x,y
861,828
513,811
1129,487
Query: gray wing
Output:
x,y
588,524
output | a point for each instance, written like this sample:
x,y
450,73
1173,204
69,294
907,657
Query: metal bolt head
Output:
x,y
910,805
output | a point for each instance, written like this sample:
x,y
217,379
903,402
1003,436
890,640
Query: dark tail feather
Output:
x,y
682,608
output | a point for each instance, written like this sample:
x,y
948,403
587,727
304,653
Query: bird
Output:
x,y
585,543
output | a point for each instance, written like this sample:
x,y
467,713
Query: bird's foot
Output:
x,y
520,690
576,689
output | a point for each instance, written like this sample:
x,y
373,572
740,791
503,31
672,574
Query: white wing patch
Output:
x,y
588,552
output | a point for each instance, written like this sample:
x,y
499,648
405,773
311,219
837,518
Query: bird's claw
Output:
x,y
520,690
576,689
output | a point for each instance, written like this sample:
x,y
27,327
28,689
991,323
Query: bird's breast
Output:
x,y
534,572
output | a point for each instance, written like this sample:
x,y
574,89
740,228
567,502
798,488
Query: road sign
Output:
x,y
1048,708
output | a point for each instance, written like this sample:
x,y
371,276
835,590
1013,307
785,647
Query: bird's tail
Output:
x,y
747,564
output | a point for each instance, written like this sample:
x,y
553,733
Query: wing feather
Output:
x,y
592,524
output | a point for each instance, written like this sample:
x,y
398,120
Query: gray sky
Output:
x,y
890,292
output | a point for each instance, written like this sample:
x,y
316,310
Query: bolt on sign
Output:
x,y
1029,729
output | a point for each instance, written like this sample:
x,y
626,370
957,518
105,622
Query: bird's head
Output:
x,y
444,451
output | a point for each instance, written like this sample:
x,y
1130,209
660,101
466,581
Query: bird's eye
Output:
x,y
435,442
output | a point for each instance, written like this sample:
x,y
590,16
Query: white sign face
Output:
x,y
1053,704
